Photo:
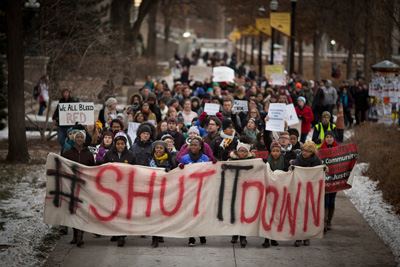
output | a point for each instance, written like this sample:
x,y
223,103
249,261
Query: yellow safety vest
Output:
x,y
322,133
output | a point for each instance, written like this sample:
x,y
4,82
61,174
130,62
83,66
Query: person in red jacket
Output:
x,y
306,116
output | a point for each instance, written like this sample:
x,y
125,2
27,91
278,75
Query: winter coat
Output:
x,y
169,163
142,151
289,154
234,156
318,99
56,115
330,94
361,99
221,153
346,100
84,157
309,97
325,145
126,156
179,139
307,118
185,150
313,161
188,116
208,138
319,132
188,160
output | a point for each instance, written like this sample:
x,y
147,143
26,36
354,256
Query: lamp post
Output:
x,y
333,43
273,5
187,33
292,34
261,10
32,6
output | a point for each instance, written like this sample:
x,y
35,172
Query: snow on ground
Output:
x,y
24,227
379,215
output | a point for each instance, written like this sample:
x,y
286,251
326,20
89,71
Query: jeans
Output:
x,y
42,107
303,137
330,200
62,134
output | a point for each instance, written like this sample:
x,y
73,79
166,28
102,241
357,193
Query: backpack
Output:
x,y
36,92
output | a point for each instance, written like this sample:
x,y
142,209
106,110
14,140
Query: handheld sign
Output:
x,y
241,106
273,69
276,113
70,113
132,129
211,109
291,115
277,79
199,73
223,74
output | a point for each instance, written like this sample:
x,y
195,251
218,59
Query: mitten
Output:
x,y
181,165
219,115
203,115
214,160
167,169
265,160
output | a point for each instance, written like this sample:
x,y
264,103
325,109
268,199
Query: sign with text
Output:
x,y
70,113
340,161
200,73
291,115
261,154
277,79
281,22
211,109
241,106
242,197
276,113
223,74
276,69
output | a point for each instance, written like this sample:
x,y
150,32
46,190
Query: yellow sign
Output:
x,y
235,35
277,69
264,26
281,22
250,31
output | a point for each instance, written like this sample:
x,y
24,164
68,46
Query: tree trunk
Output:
x,y
349,61
152,34
300,66
367,29
317,62
17,145
167,32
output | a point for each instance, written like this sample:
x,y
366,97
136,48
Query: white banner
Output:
x,y
276,113
291,115
211,109
277,79
227,198
200,73
70,113
241,106
223,74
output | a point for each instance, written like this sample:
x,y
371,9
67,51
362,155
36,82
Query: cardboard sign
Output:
x,y
70,113
291,115
199,73
273,69
211,109
223,74
241,106
277,79
276,113
199,200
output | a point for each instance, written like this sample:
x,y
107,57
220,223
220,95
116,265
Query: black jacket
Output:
x,y
143,152
56,115
84,157
126,156
223,153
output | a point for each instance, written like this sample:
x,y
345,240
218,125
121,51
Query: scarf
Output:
x,y
279,165
343,100
194,157
227,139
307,162
162,158
252,134
284,150
146,113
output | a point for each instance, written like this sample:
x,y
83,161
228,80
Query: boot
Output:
x,y
330,217
64,230
192,242
154,244
73,241
203,240
243,241
114,238
274,243
266,243
297,243
326,221
161,239
121,241
79,238
234,239
306,242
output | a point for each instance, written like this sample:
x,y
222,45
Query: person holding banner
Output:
x,y
321,128
81,155
107,142
307,158
142,147
195,155
223,144
329,142
306,116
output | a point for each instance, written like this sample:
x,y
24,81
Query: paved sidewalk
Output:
x,y
352,242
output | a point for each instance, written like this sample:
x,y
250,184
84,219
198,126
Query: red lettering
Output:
x,y
82,118
75,114
270,189
180,197
310,196
132,193
245,186
287,208
201,176
115,195
69,119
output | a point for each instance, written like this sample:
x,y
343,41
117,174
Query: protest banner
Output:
x,y
291,115
227,198
277,79
281,22
340,161
241,106
223,74
276,113
132,129
261,154
211,109
70,113
200,73
270,69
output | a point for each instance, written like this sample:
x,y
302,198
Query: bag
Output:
x,y
36,92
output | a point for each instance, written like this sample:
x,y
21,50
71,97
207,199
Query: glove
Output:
x,y
301,117
291,168
167,169
219,115
264,160
214,160
326,169
203,115
181,165
319,141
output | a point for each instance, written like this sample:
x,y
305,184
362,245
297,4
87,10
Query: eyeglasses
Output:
x,y
212,124
253,112
284,138
307,151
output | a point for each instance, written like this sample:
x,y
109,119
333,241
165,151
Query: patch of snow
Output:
x,y
379,215
29,134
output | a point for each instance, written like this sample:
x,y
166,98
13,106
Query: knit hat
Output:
x,y
207,96
99,125
326,113
302,98
162,143
194,129
107,133
120,136
167,136
293,131
144,129
76,132
298,85
120,115
275,144
113,117
331,133
310,145
226,124
312,83
111,101
246,146
172,119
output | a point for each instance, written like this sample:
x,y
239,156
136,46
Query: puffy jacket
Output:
x,y
185,150
188,160
126,156
308,115
221,153
142,151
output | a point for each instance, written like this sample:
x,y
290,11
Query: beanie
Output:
x,y
172,119
226,124
111,101
120,136
76,132
144,129
99,125
162,143
107,133
194,129
167,136
293,131
298,85
120,115
331,133
302,98
275,144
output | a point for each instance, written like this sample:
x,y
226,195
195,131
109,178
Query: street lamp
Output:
x,y
187,33
292,35
273,5
261,10
333,43
32,6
